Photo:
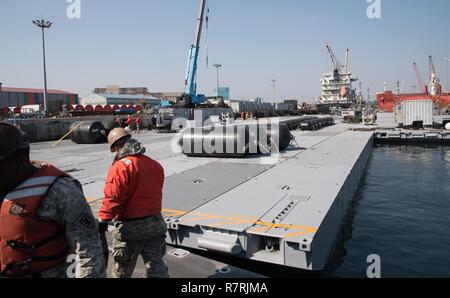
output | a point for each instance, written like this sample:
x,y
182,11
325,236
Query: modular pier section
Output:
x,y
286,210
401,136
288,213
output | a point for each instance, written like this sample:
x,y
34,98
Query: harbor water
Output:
x,y
401,213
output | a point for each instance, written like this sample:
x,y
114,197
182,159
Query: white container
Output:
x,y
417,110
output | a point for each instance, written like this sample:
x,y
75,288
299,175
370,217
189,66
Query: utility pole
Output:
x,y
218,66
274,91
44,25
448,84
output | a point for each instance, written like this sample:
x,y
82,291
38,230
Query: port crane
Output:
x,y
347,59
334,60
419,79
435,86
190,97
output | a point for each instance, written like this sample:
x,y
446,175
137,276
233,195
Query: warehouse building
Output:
x,y
120,99
11,97
115,89
293,104
169,96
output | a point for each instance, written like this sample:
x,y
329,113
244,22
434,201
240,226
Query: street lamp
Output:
x,y
274,91
44,25
217,66
448,85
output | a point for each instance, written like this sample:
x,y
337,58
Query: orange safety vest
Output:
x,y
30,245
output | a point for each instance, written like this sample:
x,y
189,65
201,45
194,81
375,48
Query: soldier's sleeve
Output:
x,y
66,204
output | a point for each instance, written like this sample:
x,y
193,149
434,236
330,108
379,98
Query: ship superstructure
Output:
x,y
337,87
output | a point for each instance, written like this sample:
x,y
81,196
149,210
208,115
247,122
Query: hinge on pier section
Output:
x,y
304,245
293,201
172,223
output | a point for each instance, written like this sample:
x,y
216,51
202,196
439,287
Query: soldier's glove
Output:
x,y
102,227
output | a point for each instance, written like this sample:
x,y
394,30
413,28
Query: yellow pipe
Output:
x,y
59,141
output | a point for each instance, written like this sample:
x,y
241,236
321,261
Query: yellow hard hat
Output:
x,y
115,135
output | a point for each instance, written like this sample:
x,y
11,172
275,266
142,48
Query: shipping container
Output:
x,y
417,111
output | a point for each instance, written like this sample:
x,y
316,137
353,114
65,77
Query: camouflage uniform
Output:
x,y
65,204
145,237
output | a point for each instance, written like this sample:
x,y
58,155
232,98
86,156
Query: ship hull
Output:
x,y
326,108
387,100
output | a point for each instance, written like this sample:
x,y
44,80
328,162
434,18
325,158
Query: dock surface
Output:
x,y
285,211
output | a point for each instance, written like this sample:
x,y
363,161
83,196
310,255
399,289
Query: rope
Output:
x,y
72,130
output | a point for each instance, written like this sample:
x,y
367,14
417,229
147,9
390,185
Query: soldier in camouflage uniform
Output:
x,y
62,206
133,200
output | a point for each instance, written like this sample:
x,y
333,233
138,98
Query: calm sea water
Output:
x,y
401,212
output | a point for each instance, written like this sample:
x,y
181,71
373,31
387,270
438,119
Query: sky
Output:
x,y
145,43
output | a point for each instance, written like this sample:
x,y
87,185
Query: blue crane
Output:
x,y
190,97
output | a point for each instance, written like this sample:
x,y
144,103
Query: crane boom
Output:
x,y
432,69
419,78
336,64
435,86
201,16
347,59
433,75
191,95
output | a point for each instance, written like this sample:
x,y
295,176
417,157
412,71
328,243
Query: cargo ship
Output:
x,y
388,99
337,90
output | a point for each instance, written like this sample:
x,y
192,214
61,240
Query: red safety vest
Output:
x,y
129,121
28,244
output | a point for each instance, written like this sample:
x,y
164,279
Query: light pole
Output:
x,y
274,91
448,85
217,66
44,25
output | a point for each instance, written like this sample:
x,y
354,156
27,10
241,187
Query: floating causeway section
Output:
x,y
286,212
413,136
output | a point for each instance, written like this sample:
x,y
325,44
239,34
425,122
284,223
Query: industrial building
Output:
x,y
293,104
119,99
12,97
223,92
169,96
114,89
283,107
